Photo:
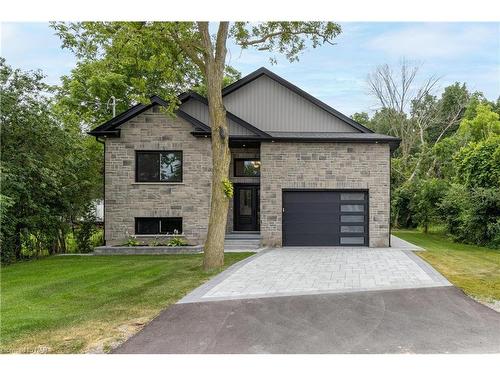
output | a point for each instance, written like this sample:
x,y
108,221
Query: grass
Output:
x,y
474,269
74,304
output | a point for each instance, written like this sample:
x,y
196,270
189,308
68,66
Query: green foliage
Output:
x,y
132,241
49,172
231,75
286,38
478,164
85,231
481,126
97,238
128,60
401,206
71,246
452,174
473,216
361,117
425,203
154,242
442,155
134,60
177,241
228,188
446,120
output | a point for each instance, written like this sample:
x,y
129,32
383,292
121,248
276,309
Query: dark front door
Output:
x,y
246,207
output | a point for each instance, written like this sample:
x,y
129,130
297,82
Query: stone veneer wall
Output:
x,y
325,166
127,199
240,153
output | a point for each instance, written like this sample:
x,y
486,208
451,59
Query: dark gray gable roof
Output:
x,y
111,128
263,71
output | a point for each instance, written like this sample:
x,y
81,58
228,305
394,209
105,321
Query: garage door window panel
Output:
x,y
352,240
352,208
352,218
352,229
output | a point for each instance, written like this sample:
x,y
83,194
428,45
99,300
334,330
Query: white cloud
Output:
x,y
436,40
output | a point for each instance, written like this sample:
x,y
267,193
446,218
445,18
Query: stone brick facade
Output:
x,y
284,165
126,199
324,166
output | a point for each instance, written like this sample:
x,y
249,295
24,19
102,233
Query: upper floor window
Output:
x,y
246,168
158,166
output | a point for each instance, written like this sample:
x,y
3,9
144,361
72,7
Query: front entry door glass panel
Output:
x,y
246,208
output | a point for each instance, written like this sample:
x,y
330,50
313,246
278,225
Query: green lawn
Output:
x,y
474,269
77,304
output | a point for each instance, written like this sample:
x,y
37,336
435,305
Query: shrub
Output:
x,y
85,231
132,241
401,211
97,238
473,216
71,246
426,201
478,164
177,241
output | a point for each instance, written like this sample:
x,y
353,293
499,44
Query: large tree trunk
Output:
x,y
214,71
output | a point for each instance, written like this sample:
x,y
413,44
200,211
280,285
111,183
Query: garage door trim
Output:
x,y
354,190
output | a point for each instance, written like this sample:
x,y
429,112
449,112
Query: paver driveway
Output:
x,y
296,271
302,300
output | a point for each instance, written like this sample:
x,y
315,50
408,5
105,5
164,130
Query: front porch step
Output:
x,y
243,236
242,241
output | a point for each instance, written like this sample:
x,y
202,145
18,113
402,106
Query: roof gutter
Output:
x,y
105,133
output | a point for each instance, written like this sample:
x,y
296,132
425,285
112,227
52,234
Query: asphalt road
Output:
x,y
424,320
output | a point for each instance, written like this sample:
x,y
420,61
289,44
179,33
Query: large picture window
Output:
x,y
159,166
158,225
246,168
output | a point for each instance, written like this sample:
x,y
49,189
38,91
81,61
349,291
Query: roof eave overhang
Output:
x,y
392,142
105,133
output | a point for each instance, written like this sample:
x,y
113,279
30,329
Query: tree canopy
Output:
x,y
447,171
49,173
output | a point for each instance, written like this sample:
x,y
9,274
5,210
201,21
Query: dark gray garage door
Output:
x,y
325,218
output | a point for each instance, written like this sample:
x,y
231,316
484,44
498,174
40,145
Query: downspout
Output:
x,y
390,196
103,189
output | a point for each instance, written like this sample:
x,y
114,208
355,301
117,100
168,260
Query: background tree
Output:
x,y
48,171
194,42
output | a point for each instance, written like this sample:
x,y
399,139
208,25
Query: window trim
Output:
x,y
136,226
159,181
244,159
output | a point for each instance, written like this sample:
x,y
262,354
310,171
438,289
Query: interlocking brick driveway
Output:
x,y
296,271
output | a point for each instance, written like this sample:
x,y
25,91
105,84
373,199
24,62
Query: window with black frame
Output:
x,y
158,225
246,168
159,166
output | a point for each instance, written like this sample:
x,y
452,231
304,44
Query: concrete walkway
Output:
x,y
400,244
299,271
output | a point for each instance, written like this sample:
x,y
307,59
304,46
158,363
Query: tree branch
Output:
x,y
220,46
190,50
266,37
208,49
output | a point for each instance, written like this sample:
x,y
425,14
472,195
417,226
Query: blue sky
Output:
x,y
464,52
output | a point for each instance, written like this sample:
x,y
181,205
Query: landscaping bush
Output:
x,y
401,211
97,238
473,216
425,204
85,232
